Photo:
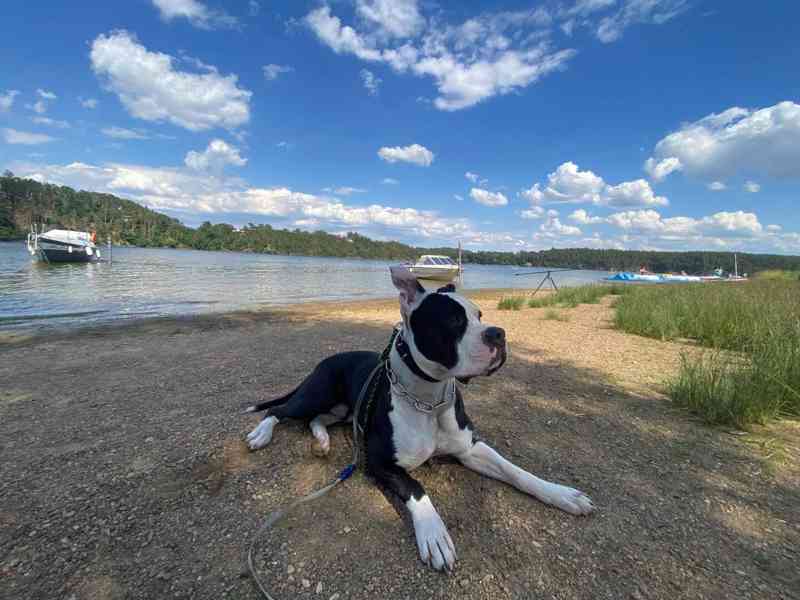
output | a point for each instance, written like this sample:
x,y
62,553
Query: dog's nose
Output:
x,y
494,336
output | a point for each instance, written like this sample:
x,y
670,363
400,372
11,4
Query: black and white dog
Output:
x,y
418,412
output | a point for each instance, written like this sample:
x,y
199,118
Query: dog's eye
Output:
x,y
480,315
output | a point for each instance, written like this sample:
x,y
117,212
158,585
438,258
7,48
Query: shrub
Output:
x,y
511,303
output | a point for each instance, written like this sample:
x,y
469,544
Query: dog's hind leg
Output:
x,y
319,425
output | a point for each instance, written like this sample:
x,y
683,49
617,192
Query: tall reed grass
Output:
x,y
752,372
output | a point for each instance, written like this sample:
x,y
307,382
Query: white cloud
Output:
x,y
390,181
371,82
215,157
553,227
458,197
152,89
488,198
717,186
485,56
658,170
569,185
253,8
50,122
415,154
534,212
473,177
774,228
721,224
195,12
340,38
39,107
763,142
7,100
582,217
120,133
394,18
631,193
89,103
45,95
272,72
283,144
13,136
752,187
344,190
633,12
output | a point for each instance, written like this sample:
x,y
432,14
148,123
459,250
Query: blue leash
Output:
x,y
343,475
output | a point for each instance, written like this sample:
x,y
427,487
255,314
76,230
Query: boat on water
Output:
x,y
432,266
62,245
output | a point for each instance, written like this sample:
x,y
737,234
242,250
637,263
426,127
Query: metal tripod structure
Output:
x,y
547,277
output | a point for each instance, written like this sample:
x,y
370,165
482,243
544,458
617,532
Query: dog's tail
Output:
x,y
269,403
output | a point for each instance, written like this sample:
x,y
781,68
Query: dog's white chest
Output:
x,y
415,434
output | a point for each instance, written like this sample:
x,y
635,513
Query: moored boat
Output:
x,y
62,245
440,268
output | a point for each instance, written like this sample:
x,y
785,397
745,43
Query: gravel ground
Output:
x,y
124,475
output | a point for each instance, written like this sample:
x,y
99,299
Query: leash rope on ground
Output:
x,y
368,391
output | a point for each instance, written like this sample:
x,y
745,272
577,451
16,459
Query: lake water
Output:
x,y
150,282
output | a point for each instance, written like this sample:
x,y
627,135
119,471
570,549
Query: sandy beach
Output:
x,y
124,473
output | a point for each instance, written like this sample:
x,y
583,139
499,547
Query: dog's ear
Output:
x,y
408,286
448,289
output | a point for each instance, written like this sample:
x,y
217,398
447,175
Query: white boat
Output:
x,y
61,245
440,268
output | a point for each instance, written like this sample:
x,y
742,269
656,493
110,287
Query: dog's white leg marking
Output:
x,y
485,460
436,549
262,434
319,428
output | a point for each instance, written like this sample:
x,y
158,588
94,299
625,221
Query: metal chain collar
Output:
x,y
448,394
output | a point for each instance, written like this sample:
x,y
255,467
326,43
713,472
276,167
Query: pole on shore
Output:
x,y
110,255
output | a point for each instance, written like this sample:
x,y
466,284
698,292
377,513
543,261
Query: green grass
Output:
x,y
573,296
511,303
752,373
554,315
778,274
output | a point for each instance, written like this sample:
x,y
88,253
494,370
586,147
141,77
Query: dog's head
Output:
x,y
444,331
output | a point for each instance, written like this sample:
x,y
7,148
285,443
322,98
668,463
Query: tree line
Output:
x,y
25,201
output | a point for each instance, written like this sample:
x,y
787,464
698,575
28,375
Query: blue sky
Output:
x,y
664,124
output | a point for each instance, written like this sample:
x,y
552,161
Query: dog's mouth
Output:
x,y
498,360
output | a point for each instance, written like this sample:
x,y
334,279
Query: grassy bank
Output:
x,y
752,371
564,298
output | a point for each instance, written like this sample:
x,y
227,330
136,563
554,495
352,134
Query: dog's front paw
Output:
x,y
262,434
435,547
570,500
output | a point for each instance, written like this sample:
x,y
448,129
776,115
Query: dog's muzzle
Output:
x,y
495,338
